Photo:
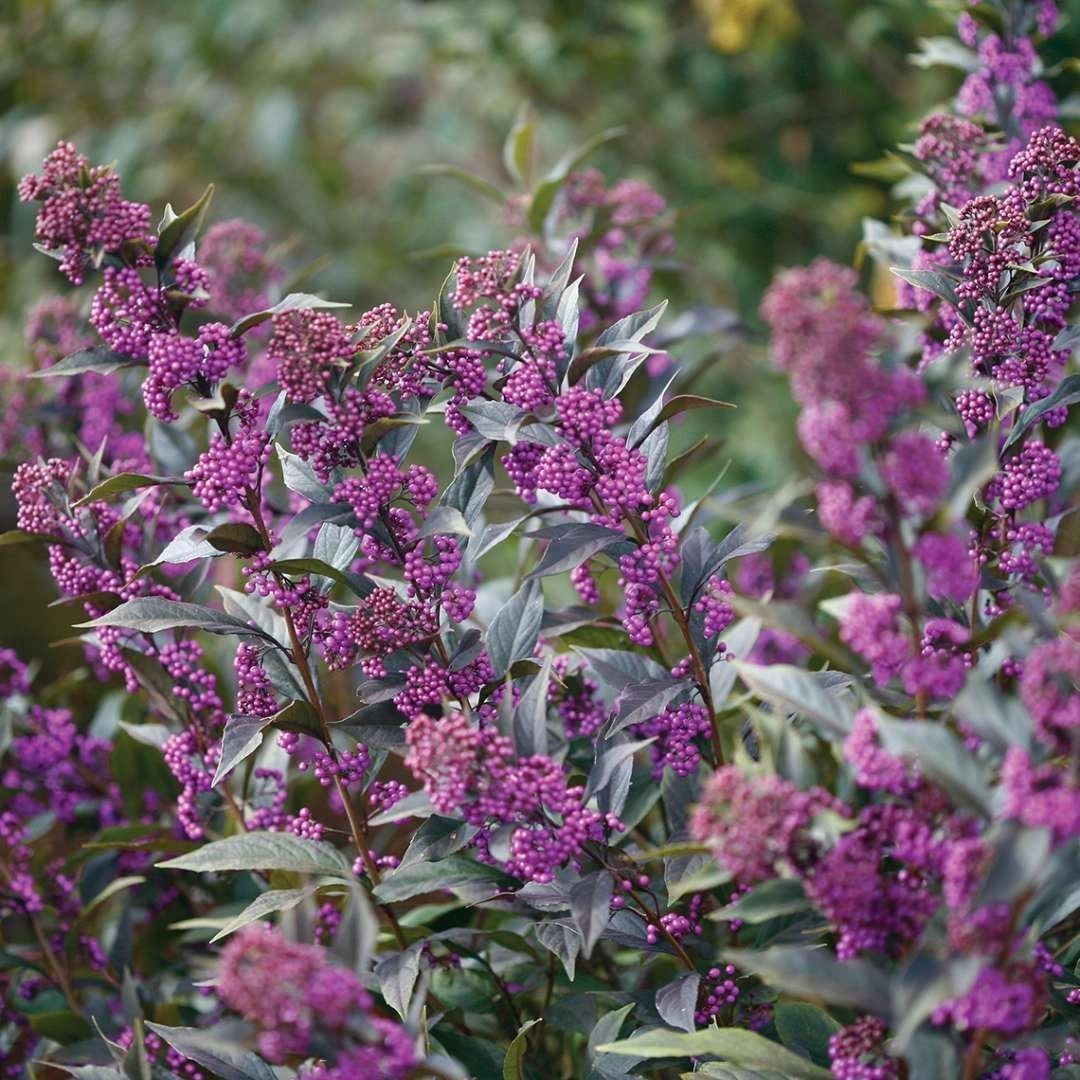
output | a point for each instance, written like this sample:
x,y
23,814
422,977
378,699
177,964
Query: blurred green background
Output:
x,y
315,118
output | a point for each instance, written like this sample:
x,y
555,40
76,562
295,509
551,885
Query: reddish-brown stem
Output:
x,y
357,818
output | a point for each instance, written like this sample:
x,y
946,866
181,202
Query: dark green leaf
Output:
x,y
100,360
152,614
292,302
264,904
590,907
220,1054
20,536
235,537
61,1026
561,937
1066,393
816,974
177,229
469,490
397,975
738,1046
122,482
264,851
459,875
515,627
514,1066
571,544
243,735
640,701
798,692
805,1029
937,283
767,900
941,757
677,1002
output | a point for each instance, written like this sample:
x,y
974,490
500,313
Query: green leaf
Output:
x,y
152,614
21,536
519,146
605,1030
470,180
544,194
114,888
562,938
215,1052
243,735
590,907
515,627
136,1063
799,692
805,1029
122,482
471,990
677,1001
480,1058
1066,393
530,715
680,403
235,537
62,1026
942,758
641,701
457,874
569,545
397,975
445,520
155,735
177,229
265,904
514,1066
705,878
923,985
470,488
732,1044
100,360
357,584
816,974
767,900
935,282
264,851
92,1072
292,302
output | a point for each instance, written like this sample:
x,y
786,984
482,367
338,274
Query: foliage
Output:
x,y
445,736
